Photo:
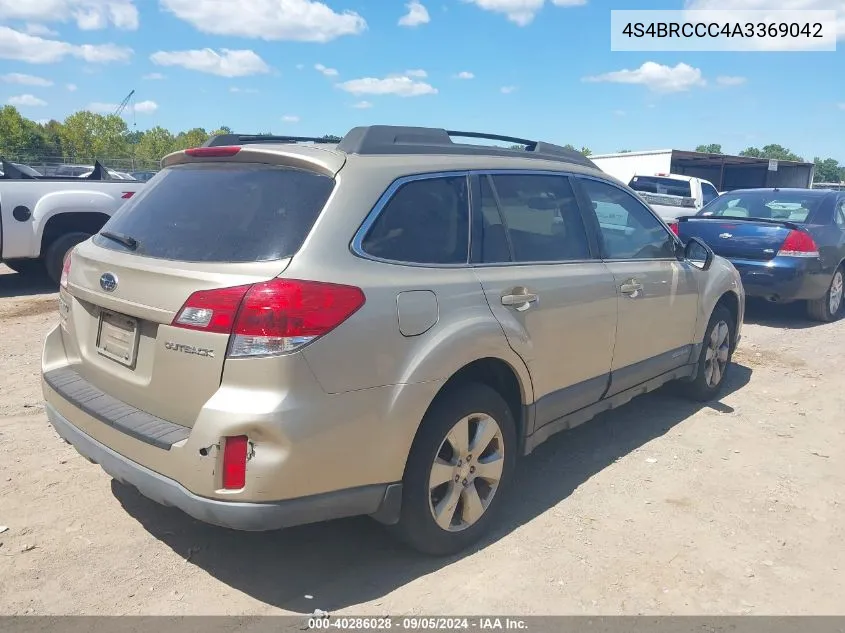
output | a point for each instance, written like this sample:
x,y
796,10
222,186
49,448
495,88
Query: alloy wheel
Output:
x,y
466,472
716,357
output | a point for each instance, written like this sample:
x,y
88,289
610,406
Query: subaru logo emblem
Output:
x,y
108,282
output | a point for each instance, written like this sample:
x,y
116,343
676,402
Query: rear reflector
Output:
x,y
213,152
673,226
798,244
272,317
234,462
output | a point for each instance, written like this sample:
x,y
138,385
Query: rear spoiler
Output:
x,y
784,223
10,172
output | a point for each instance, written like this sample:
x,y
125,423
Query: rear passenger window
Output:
x,y
425,222
534,218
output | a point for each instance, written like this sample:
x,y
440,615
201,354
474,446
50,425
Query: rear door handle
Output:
x,y
520,301
632,288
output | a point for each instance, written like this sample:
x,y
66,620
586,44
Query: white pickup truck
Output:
x,y
42,218
672,195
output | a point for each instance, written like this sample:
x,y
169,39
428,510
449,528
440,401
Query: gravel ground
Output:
x,y
661,507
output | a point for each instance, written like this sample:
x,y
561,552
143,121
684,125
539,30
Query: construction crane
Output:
x,y
119,110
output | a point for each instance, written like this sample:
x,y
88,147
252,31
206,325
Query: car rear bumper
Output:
x,y
783,279
373,499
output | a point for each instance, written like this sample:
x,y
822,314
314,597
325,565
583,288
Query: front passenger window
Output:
x,y
627,228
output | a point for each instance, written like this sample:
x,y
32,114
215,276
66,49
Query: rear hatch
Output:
x,y
150,324
738,238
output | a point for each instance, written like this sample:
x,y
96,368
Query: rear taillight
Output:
x,y
235,452
798,244
673,226
211,310
65,270
213,152
273,317
127,194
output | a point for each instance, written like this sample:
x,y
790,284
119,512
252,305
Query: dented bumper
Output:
x,y
229,514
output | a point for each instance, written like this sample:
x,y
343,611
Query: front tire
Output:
x,y
54,257
461,464
715,358
829,307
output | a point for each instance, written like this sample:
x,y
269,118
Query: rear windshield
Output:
x,y
766,204
221,212
656,184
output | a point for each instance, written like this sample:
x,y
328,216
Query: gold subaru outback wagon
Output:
x,y
277,330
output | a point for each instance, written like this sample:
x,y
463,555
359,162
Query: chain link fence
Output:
x,y
54,165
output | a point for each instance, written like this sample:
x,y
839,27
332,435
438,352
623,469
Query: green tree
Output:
x,y
192,138
712,148
777,152
586,151
336,139
155,145
20,138
828,170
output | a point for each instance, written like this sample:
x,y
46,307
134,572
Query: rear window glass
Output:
x,y
656,184
221,212
768,205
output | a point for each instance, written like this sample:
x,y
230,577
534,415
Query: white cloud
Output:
x,y
656,77
328,72
235,89
296,20
727,80
419,73
774,5
226,63
464,74
399,85
26,101
39,29
153,76
290,118
71,87
38,50
145,107
26,80
88,14
506,90
142,107
362,105
417,14
522,12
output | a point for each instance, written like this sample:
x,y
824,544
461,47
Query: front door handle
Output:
x,y
520,299
632,288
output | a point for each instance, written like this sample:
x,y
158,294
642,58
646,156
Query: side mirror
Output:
x,y
698,253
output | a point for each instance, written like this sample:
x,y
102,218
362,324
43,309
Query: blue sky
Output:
x,y
530,68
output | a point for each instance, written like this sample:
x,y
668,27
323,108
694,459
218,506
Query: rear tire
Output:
x,y
829,307
54,257
473,485
715,358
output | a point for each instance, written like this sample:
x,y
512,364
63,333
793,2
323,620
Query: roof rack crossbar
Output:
x,y
220,140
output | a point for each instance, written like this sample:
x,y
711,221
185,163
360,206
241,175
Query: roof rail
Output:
x,y
389,139
220,140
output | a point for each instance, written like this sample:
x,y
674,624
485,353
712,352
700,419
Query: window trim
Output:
x,y
357,243
586,202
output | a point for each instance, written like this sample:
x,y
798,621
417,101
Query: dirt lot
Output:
x,y
659,508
